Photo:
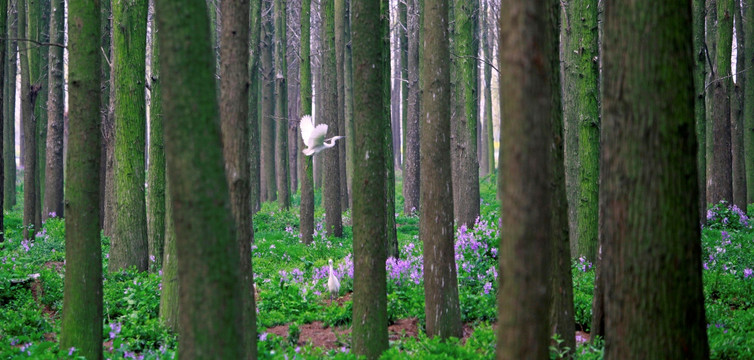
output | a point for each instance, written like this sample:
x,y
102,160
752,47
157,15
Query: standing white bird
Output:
x,y
314,136
333,285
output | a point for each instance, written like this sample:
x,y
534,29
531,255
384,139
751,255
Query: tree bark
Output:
x,y
711,52
340,51
3,100
648,171
464,117
169,293
306,215
28,121
738,170
333,216
256,194
156,171
293,10
53,200
9,122
267,136
700,112
82,309
234,92
526,246
411,166
129,245
442,310
40,107
392,234
370,300
207,251
281,107
720,181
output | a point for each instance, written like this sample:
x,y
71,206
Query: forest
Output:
x,y
392,179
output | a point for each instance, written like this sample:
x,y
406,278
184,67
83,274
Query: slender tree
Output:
x,y
333,216
340,60
108,132
105,45
267,133
648,171
436,223
254,89
82,298
348,100
738,171
306,211
169,293
234,92
464,117
700,113
392,234
53,199
29,123
710,52
293,11
208,261
526,246
9,97
411,157
156,171
40,78
3,101
129,246
370,299
281,106
748,23
720,182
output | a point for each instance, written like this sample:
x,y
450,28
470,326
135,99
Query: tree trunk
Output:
x,y
40,108
267,136
293,11
720,182
442,310
648,171
464,117
306,215
82,298
53,205
329,116
129,245
340,50
403,50
370,300
392,234
748,27
255,15
108,128
169,293
411,157
281,107
348,105
9,123
28,121
737,121
3,100
234,92
711,52
204,227
104,106
700,113
156,171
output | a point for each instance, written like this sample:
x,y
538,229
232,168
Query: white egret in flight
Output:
x,y
314,136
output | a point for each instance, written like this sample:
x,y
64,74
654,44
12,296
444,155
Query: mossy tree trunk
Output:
x,y
234,92
82,309
9,122
370,300
720,181
3,101
331,196
737,112
207,251
105,45
129,246
648,171
254,119
156,171
392,234
306,211
711,51
293,11
464,117
169,293
29,123
267,120
700,112
53,199
441,307
40,107
526,247
281,106
108,131
411,157
748,22
348,101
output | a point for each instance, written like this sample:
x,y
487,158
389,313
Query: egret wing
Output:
x,y
307,126
317,136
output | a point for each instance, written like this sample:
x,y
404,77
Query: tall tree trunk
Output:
x,y
306,215
82,307
392,234
281,107
736,119
436,223
526,247
108,128
333,216
104,105
267,135
748,62
711,52
648,171
340,50
700,113
370,300
395,93
720,182
254,90
234,92
129,246
403,36
40,108
28,121
348,103
582,117
207,251
465,165
3,101
293,9
169,293
156,171
411,157
54,163
9,122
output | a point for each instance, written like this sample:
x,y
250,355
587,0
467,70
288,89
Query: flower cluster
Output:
x,y
725,216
